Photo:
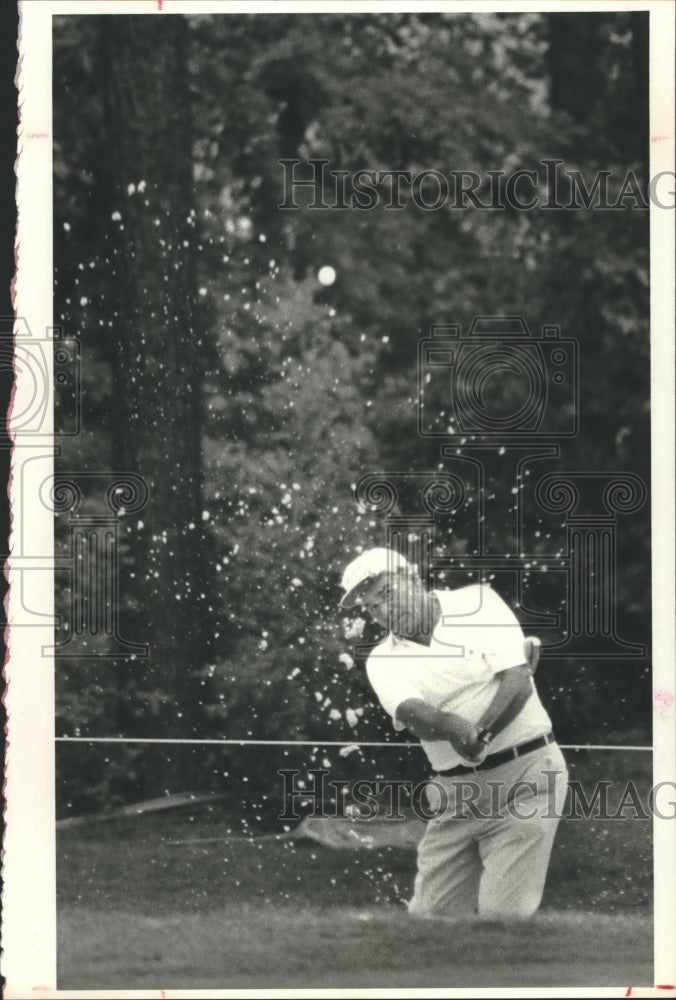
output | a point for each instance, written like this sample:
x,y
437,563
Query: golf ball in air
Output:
x,y
326,275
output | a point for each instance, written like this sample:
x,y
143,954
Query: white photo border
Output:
x,y
29,897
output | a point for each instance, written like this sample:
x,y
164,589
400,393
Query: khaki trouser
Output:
x,y
488,849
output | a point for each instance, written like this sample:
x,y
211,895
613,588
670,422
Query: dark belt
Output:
x,y
495,759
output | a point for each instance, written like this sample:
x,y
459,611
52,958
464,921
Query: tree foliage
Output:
x,y
252,398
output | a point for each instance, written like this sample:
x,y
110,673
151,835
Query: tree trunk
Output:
x,y
157,352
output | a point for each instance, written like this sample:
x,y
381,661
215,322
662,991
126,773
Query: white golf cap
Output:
x,y
366,566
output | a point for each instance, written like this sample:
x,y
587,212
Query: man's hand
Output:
x,y
474,752
463,736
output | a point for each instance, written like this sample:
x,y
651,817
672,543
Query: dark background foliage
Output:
x,y
251,398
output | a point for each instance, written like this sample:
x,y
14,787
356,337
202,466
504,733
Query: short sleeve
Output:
x,y
389,680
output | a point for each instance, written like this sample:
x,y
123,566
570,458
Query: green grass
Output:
x,y
240,946
602,866
138,911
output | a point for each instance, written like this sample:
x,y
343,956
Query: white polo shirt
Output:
x,y
476,638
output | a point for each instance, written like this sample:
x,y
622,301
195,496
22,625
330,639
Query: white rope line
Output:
x,y
299,743
588,746
292,835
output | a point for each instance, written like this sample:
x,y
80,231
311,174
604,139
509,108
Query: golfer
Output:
x,y
453,671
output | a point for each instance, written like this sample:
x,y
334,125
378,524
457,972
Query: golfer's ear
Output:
x,y
532,648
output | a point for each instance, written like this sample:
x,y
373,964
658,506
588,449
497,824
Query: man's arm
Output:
x,y
430,723
427,723
514,690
